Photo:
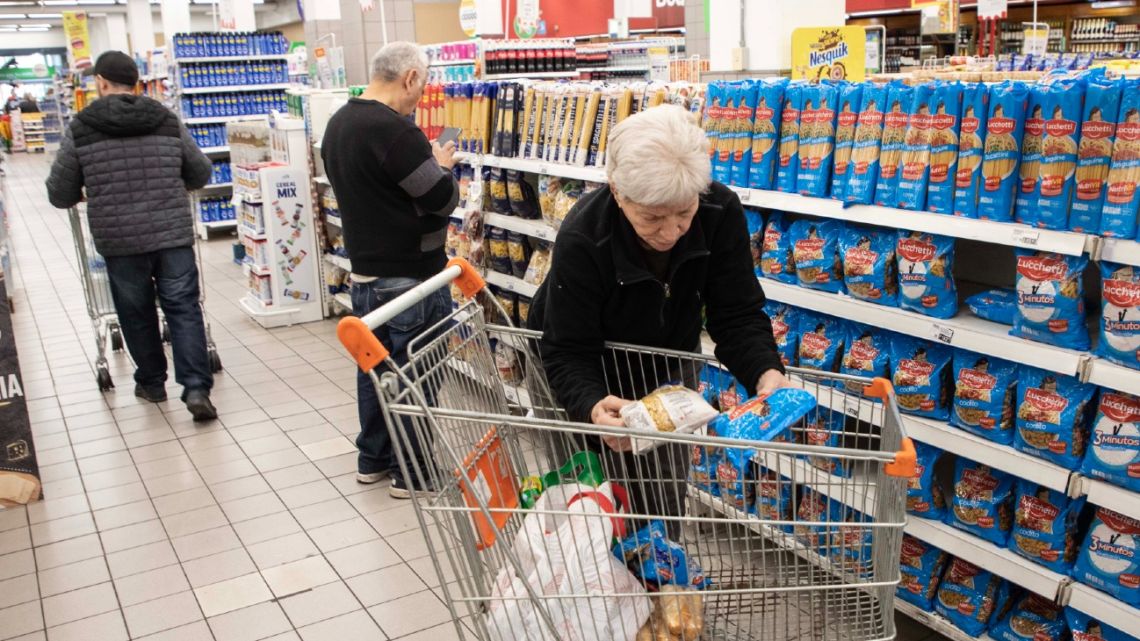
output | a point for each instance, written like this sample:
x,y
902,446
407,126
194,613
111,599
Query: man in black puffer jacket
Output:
x,y
137,161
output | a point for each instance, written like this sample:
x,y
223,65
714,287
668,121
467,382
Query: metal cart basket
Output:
x,y
789,540
101,307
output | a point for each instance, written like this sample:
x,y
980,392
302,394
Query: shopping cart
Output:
x,y
795,541
101,307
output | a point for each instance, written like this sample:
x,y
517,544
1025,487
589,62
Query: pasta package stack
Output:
x,y
945,124
817,139
1122,198
1094,153
1005,125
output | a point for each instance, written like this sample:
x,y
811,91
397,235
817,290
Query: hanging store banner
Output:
x,y
468,18
78,39
833,53
1035,38
19,473
526,19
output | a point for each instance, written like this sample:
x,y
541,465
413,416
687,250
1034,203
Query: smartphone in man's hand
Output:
x,y
450,134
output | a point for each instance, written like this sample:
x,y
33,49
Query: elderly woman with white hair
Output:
x,y
636,262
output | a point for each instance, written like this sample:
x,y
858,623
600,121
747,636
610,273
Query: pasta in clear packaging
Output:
x,y
1005,125
968,176
1094,153
766,134
866,147
671,408
945,127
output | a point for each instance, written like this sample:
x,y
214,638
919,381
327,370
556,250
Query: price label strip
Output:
x,y
942,334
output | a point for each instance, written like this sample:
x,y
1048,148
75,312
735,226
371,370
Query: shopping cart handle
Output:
x,y
356,333
905,464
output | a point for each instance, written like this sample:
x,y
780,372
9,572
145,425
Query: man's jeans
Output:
x,y
172,274
374,441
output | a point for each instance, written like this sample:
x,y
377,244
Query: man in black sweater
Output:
x,y
396,192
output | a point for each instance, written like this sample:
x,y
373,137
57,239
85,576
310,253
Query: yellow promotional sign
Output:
x,y
834,53
78,39
468,17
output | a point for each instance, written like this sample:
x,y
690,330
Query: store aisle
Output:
x,y
251,527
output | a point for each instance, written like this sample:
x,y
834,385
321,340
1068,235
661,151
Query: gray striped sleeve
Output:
x,y
420,181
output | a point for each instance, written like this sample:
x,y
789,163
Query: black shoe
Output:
x,y
400,490
156,394
198,402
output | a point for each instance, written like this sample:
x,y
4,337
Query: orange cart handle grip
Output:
x,y
905,464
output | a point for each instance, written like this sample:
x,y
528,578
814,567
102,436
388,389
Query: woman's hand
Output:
x,y
771,381
607,412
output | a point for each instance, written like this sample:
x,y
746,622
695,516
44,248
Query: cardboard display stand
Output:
x,y
19,473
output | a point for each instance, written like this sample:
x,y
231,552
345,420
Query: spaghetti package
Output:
x,y
920,569
1052,421
1005,125
985,390
900,102
1086,628
1094,153
824,427
1045,526
1063,102
870,271
1050,299
785,329
1114,451
714,124
1110,556
1122,198
967,596
776,260
926,281
815,250
968,176
867,352
850,96
945,124
821,341
788,158
920,371
924,496
982,503
817,138
742,124
1025,192
1032,618
997,305
865,148
1120,314
914,165
765,133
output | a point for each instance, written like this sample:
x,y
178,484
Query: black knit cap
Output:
x,y
115,66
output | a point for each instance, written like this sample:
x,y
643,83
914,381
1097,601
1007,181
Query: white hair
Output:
x,y
397,58
659,158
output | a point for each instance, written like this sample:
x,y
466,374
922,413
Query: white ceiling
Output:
x,y
44,15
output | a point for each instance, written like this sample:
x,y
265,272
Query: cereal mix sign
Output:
x,y
831,53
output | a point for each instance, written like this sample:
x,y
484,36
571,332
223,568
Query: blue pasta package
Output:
x,y
1045,526
1050,299
766,133
985,391
815,250
1052,416
785,329
755,222
967,596
1064,100
914,163
1094,154
825,427
848,541
920,371
924,495
766,418
776,251
1032,618
945,128
821,341
1119,314
811,508
741,161
1122,198
997,305
721,389
866,353
1005,126
1086,628
866,146
968,177
703,462
817,139
1114,451
850,98
982,502
713,121
774,498
652,556
1025,191
788,157
870,271
926,278
900,103
920,570
1110,556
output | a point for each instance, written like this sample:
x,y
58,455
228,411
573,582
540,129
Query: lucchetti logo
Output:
x,y
810,116
1119,522
1121,409
969,125
1129,131
764,113
1041,269
1033,126
772,238
863,351
790,115
897,119
847,118
977,380
860,258
1037,509
1000,126
1122,293
1045,401
809,245
815,342
920,121
979,480
1097,129
943,122
1059,128
779,329
915,250
920,369
870,118
745,408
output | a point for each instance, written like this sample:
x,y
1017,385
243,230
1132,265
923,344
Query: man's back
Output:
x,y
394,198
136,162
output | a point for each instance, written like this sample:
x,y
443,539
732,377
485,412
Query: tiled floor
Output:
x,y
250,527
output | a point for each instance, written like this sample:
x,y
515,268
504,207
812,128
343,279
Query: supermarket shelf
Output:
x,y
150,77
220,119
999,560
1012,234
936,622
230,88
452,63
963,331
533,228
535,74
215,150
335,221
629,69
210,186
339,261
514,395
1113,376
1103,41
593,174
344,300
848,491
248,58
219,224
511,284
1116,250
1105,609
322,180
257,270
1113,497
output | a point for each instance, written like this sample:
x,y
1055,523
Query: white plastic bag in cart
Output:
x,y
563,555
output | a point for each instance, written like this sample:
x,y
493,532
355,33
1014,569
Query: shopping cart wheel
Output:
x,y
116,340
215,361
165,331
103,378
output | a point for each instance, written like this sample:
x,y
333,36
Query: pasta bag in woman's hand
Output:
x,y
671,408
1005,125
1056,175
766,133
1122,196
865,149
900,103
967,178
945,126
1094,153
1025,198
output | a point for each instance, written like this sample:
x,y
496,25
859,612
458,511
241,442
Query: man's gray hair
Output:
x,y
397,58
